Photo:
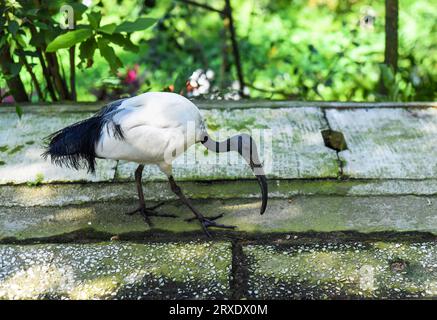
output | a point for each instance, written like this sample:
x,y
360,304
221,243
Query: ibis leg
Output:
x,y
204,222
146,212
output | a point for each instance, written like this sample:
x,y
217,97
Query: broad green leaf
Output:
x,y
121,41
20,40
137,25
13,27
108,53
94,18
69,39
78,9
108,28
13,4
86,51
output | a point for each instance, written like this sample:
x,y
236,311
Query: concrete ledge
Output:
x,y
241,104
301,214
60,194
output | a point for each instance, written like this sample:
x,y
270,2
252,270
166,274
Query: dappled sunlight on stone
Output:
x,y
75,215
98,288
33,195
115,270
37,281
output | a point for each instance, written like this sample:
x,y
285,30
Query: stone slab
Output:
x,y
376,270
291,146
21,146
388,143
301,214
117,270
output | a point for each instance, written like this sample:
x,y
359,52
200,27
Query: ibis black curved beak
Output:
x,y
264,191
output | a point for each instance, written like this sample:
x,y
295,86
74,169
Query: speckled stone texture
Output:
x,y
116,271
372,270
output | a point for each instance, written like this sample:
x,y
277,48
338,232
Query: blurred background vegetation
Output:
x,y
300,49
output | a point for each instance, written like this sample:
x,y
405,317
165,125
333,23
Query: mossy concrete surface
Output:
x,y
194,270
21,146
81,193
389,143
355,270
289,142
300,214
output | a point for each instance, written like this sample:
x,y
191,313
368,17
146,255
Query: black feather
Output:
x,y
75,145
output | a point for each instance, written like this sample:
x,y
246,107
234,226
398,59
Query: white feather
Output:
x,y
154,125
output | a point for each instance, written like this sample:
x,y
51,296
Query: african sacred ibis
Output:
x,y
151,128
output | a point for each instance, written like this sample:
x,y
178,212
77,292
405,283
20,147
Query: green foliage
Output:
x,y
93,36
33,32
138,25
19,111
69,39
39,178
108,53
302,49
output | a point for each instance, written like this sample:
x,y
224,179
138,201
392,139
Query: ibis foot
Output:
x,y
207,223
209,218
147,212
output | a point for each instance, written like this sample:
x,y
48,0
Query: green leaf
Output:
x,y
181,79
69,39
108,53
94,18
86,51
14,69
31,12
108,28
78,9
13,27
137,25
19,111
20,40
40,25
121,41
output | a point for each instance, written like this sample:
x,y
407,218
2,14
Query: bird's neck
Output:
x,y
233,143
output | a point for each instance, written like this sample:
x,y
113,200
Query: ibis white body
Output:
x,y
151,128
156,126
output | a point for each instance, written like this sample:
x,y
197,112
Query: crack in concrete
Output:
x,y
340,174
239,282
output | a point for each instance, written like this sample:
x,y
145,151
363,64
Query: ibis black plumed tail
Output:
x,y
75,146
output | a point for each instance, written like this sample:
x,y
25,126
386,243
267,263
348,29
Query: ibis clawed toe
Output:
x,y
151,128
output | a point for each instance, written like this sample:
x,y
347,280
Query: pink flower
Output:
x,y
8,99
132,74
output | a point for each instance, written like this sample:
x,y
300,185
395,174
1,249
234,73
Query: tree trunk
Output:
x,y
33,77
391,33
15,85
72,73
53,67
236,52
